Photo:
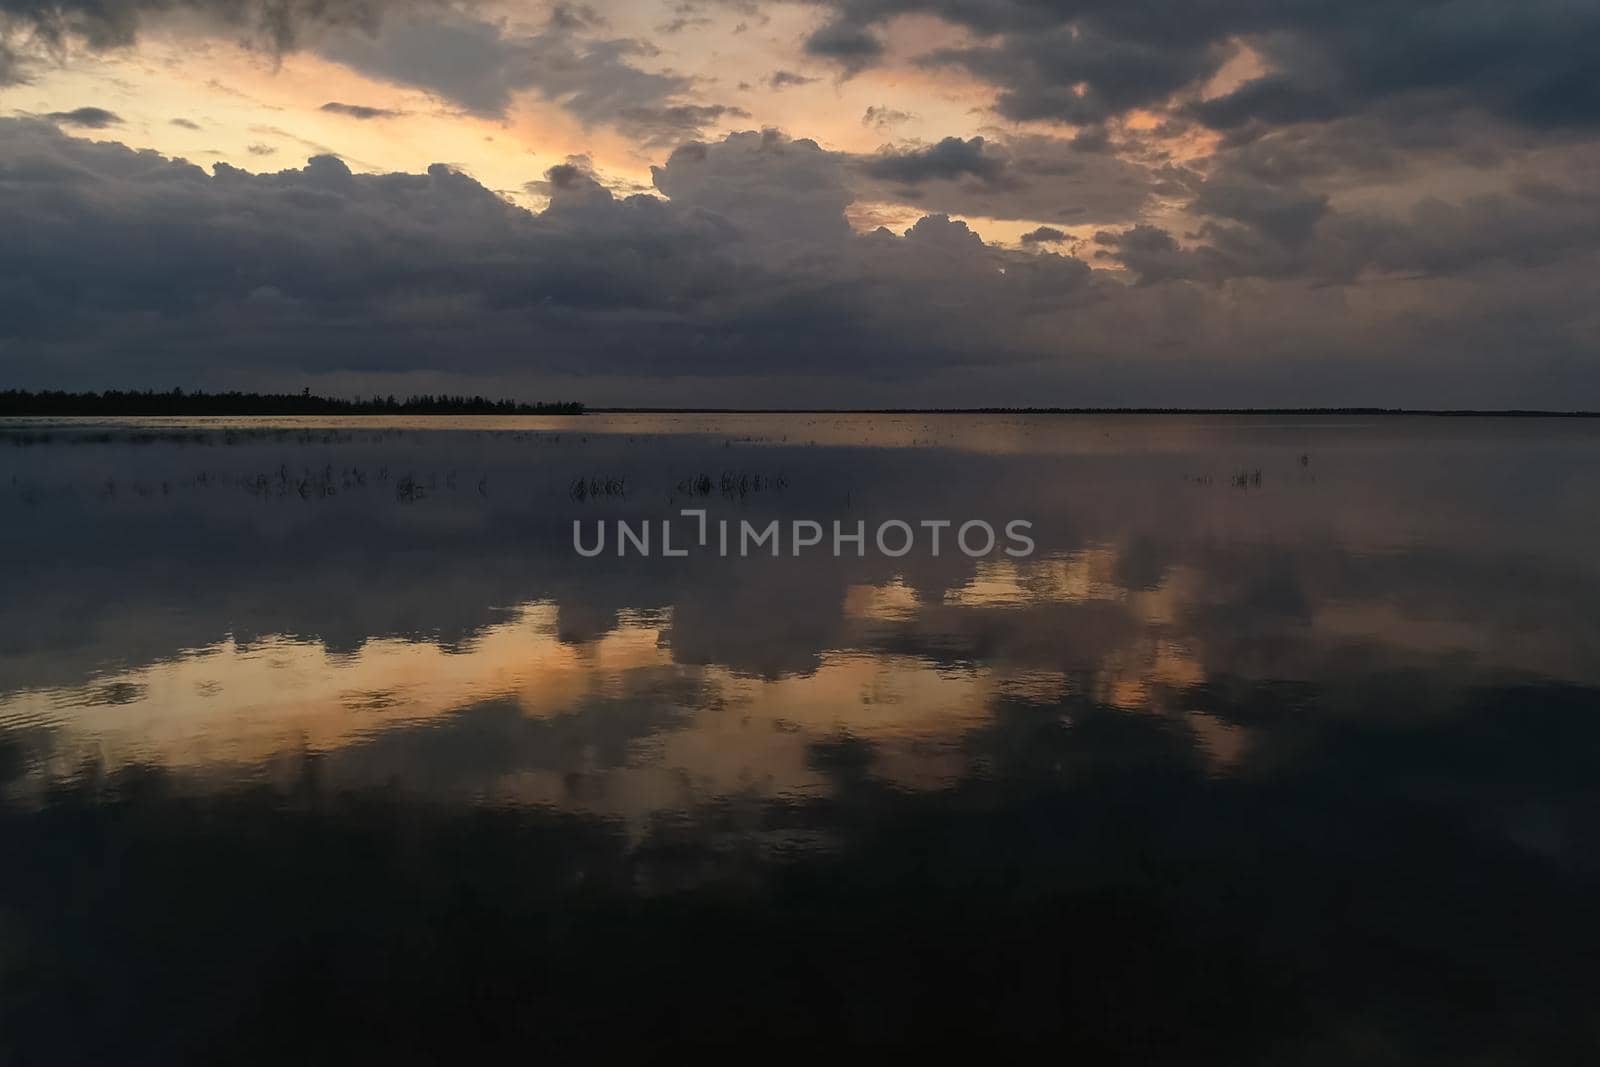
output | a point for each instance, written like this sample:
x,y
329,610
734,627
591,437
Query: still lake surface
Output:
x,y
318,741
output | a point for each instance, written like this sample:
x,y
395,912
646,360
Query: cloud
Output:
x,y
747,266
1528,62
1082,74
777,190
681,23
1045,235
1282,212
471,61
480,66
572,184
852,47
1525,62
358,111
89,118
12,66
1545,220
312,146
577,17
1086,64
883,118
123,264
669,124
1154,255
185,124
1016,176
948,160
784,79
1365,149
32,32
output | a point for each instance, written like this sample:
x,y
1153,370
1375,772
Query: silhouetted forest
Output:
x,y
178,402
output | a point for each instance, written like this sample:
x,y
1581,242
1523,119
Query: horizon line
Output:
x,y
1435,412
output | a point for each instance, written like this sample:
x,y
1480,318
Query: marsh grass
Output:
x,y
1247,479
732,484
581,489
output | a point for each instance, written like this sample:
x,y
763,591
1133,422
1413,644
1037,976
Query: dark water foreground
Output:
x,y
1282,749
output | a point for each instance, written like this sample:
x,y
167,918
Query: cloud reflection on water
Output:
x,y
1278,773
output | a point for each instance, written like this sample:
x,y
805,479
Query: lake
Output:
x,y
320,741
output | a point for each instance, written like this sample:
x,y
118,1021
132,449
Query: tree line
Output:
x,y
14,402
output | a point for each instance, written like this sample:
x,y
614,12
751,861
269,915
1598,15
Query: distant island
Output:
x,y
21,402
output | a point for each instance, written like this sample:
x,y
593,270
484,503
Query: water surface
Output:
x,y
318,739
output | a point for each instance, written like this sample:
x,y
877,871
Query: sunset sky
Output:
x,y
840,203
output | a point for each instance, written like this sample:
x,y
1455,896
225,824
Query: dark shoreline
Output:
x,y
113,403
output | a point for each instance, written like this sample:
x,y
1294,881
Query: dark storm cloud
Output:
x,y
782,192
35,29
123,264
748,265
1153,254
358,111
1273,100
1534,224
1282,212
89,118
1253,229
852,47
948,160
1082,74
1017,176
1083,60
1530,62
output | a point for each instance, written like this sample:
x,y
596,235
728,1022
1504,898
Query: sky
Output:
x,y
834,203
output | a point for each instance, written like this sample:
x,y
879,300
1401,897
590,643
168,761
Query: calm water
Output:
x,y
318,741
